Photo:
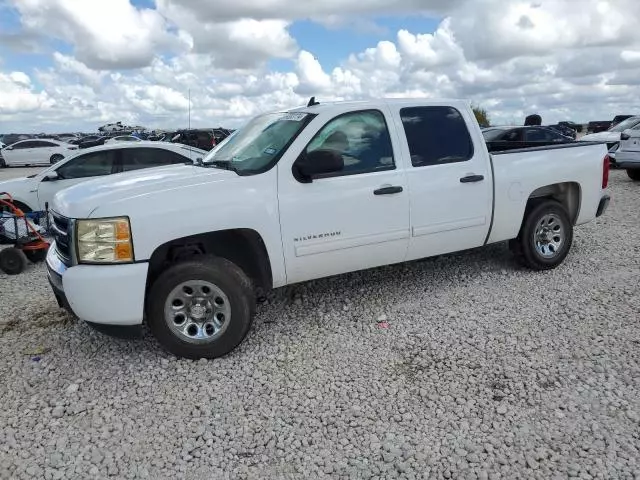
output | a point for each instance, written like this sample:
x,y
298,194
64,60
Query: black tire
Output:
x,y
55,158
224,275
524,246
12,261
634,175
36,256
3,164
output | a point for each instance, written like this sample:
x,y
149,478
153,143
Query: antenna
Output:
x,y
189,109
312,102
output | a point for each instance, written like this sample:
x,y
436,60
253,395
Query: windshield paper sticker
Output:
x,y
270,151
294,116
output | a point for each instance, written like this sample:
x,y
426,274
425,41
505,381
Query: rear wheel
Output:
x,y
201,309
634,174
12,261
56,158
3,164
545,237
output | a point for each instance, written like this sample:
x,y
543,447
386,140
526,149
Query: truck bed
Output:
x,y
574,169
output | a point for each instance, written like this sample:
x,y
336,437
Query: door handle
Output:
x,y
472,178
387,190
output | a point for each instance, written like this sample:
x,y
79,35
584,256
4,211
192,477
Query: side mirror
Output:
x,y
51,177
318,162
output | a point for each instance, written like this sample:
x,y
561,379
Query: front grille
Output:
x,y
61,228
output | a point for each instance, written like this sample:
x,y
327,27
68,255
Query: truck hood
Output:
x,y
602,137
79,201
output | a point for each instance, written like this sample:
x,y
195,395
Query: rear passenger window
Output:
x,y
138,158
436,135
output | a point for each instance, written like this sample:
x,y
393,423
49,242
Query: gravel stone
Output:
x,y
489,371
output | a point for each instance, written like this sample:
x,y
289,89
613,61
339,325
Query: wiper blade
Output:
x,y
224,164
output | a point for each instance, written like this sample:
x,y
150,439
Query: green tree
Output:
x,y
481,116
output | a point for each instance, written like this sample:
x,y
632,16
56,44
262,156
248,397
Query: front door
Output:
x,y
449,180
349,220
77,170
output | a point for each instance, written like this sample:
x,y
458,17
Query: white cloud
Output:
x,y
105,34
18,95
560,58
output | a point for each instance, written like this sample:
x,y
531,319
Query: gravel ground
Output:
x,y
485,371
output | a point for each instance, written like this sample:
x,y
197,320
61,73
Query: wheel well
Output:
x,y
22,206
567,193
244,247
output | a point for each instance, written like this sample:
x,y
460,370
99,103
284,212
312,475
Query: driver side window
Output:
x,y
90,165
361,138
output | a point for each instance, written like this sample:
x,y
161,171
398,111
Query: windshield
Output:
x,y
492,134
259,144
628,123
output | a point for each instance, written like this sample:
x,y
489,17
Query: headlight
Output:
x,y
106,240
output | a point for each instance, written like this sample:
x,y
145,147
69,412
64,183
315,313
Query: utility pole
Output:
x,y
189,109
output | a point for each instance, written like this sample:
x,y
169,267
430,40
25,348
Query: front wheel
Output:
x,y
634,175
545,237
55,158
3,164
201,308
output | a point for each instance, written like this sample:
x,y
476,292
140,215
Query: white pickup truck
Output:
x,y
303,194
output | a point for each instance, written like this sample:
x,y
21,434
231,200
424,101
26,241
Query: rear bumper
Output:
x,y
602,206
100,294
627,160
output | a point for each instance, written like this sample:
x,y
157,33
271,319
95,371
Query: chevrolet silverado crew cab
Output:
x,y
303,194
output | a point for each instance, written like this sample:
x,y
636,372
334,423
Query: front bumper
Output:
x,y
99,294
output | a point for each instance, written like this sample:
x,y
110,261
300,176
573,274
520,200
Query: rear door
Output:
x,y
77,170
449,180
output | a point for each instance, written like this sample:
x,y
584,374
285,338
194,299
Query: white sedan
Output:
x,y
36,151
123,138
34,192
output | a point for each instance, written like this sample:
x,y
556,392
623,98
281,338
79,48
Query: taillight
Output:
x,y
625,136
606,165
213,142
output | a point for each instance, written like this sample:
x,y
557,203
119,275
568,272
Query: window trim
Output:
x,y
295,173
123,151
472,153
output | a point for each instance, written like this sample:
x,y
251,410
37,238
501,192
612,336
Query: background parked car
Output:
x,y
36,152
612,136
12,138
564,130
575,126
204,138
123,138
92,141
620,118
509,138
33,192
598,126
627,155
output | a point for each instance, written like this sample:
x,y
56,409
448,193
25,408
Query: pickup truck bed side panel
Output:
x,y
519,174
242,202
